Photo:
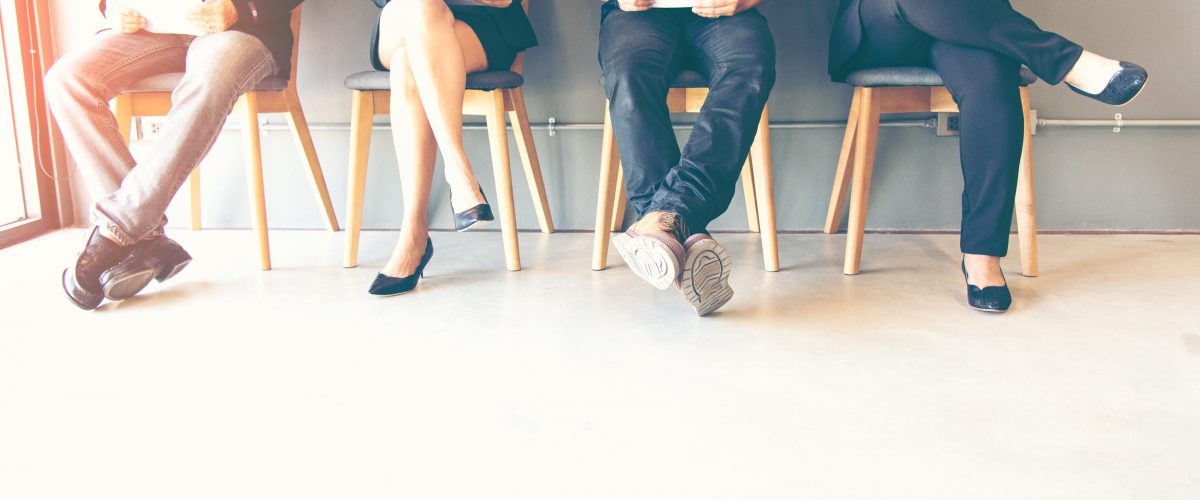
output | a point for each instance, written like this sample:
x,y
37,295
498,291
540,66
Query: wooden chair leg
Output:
x,y
254,170
841,179
621,198
361,115
1026,202
866,136
316,177
194,197
764,181
609,168
498,137
519,117
748,192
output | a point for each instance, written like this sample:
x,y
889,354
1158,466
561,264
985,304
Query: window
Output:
x,y
27,202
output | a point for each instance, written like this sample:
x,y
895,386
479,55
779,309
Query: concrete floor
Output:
x,y
562,383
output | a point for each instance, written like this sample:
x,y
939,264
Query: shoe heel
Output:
x,y
168,271
127,286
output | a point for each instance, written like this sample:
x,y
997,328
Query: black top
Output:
x,y
272,25
513,23
847,37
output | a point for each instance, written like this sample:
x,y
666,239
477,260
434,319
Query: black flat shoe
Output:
x,y
387,286
475,216
993,299
81,281
160,258
1124,86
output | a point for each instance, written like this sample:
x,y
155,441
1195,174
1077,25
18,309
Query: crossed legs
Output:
x,y
429,54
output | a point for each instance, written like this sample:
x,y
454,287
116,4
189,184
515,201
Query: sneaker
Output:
x,y
159,258
81,281
705,278
653,248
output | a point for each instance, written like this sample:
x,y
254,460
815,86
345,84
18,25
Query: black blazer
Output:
x,y
846,39
514,24
272,25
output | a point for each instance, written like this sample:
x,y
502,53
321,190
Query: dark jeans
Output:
x,y
978,48
640,53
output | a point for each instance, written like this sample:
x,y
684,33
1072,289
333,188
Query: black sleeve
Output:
x,y
269,11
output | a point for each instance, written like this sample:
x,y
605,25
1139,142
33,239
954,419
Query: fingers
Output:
x,y
636,5
132,21
715,8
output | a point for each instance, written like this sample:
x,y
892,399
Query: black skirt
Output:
x,y
500,52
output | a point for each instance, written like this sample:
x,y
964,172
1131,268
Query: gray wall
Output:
x,y
1088,179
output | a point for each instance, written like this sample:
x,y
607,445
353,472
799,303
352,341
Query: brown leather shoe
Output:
x,y
653,248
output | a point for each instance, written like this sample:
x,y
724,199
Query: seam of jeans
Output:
x,y
130,59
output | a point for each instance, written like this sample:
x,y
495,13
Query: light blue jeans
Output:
x,y
133,197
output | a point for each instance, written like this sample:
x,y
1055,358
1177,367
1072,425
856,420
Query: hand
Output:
x,y
635,5
214,16
722,8
126,21
500,4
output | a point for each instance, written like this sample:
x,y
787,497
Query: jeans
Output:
x,y
978,48
218,68
640,53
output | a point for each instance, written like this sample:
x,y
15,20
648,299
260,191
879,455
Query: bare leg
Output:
x,y
441,51
984,270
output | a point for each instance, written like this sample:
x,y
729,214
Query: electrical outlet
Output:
x,y
947,125
150,127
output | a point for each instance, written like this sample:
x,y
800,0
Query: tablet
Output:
x,y
165,16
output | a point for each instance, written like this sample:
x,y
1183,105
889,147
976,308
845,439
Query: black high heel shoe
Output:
x,y
994,299
387,286
475,216
1124,86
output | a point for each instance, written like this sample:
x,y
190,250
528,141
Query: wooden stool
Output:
x,y
152,97
911,90
490,94
687,95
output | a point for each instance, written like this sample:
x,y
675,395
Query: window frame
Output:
x,y
36,139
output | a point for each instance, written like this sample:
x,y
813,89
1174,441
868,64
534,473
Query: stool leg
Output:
x,y
1026,202
316,177
622,199
502,169
841,179
609,169
254,171
764,180
519,117
748,189
361,114
867,132
194,197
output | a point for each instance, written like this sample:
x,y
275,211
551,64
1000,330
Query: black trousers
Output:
x,y
978,47
640,53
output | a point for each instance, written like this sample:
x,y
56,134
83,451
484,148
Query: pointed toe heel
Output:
x,y
1124,87
992,299
387,286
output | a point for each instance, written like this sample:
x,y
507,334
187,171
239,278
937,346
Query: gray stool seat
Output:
x,y
167,82
369,81
912,76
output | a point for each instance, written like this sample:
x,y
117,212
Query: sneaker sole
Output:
x,y
650,259
705,281
126,286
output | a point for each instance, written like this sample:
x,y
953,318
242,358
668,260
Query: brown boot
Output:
x,y
653,248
